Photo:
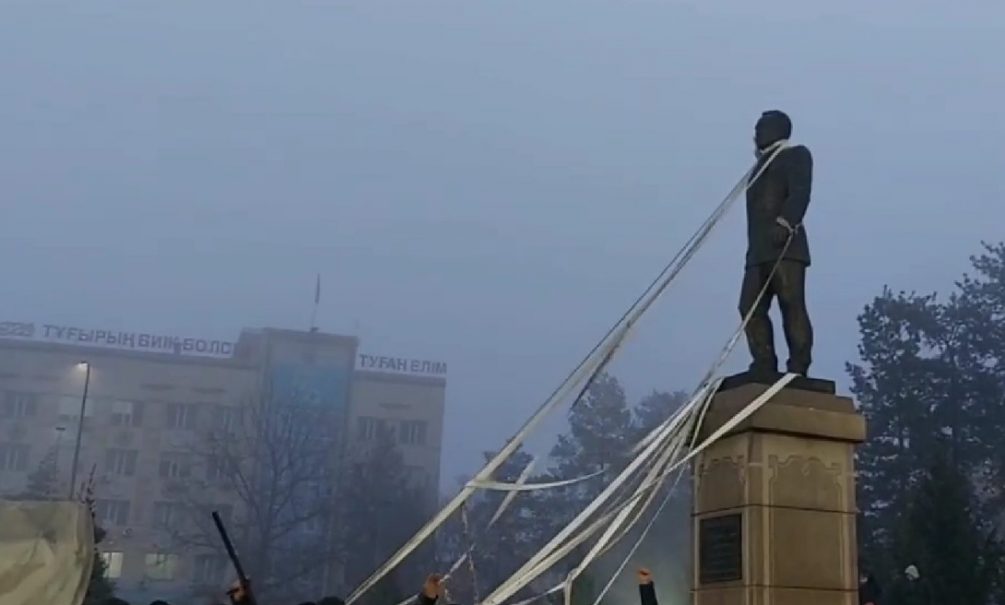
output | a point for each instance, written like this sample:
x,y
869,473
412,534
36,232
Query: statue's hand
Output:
x,y
781,231
779,235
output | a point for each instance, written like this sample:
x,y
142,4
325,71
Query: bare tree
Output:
x,y
384,506
270,468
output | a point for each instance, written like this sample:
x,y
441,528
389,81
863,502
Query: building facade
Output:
x,y
149,409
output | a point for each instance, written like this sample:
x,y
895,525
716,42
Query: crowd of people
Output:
x,y
239,594
434,591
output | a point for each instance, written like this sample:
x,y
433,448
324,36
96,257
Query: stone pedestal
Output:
x,y
773,518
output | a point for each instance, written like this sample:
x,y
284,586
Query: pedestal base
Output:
x,y
774,501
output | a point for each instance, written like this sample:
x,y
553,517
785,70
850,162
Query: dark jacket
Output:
x,y
869,592
647,594
422,599
918,592
782,191
907,592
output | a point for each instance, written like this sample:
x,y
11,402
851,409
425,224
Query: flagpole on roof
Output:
x,y
317,301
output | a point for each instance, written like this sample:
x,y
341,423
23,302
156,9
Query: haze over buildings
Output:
x,y
151,418
486,183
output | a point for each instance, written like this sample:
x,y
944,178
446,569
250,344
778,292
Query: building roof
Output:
x,y
88,352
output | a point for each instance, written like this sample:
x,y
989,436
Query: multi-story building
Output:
x,y
410,409
150,404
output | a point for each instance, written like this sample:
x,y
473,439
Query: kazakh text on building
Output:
x,y
402,365
138,341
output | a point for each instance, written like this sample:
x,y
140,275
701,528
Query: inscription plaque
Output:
x,y
720,549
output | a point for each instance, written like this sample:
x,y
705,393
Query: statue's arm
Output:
x,y
799,177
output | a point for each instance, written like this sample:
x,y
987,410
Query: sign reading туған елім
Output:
x,y
137,341
402,365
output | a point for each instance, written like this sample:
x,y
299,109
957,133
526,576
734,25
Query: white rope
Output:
x,y
586,370
470,553
466,492
659,510
672,451
525,576
685,410
529,487
517,581
694,436
503,591
499,511
696,407
674,446
512,495
719,362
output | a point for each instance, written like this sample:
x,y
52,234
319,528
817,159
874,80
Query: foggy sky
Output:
x,y
488,183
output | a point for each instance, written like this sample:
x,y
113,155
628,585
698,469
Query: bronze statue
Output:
x,y
776,204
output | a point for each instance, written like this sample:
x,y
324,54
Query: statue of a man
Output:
x,y
776,204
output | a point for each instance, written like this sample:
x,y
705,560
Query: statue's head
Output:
x,y
772,126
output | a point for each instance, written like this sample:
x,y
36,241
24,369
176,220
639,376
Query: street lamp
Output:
x,y
86,367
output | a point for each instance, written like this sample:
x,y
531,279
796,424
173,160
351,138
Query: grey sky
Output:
x,y
489,183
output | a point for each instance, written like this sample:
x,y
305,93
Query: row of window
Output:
x,y
121,412
188,416
172,515
206,569
409,432
172,465
122,462
120,513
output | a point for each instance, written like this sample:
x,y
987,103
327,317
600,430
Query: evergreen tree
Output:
x,y
656,407
931,375
599,437
896,387
99,588
384,507
940,533
981,320
498,550
43,482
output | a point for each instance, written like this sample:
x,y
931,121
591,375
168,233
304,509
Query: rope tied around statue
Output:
x,y
661,452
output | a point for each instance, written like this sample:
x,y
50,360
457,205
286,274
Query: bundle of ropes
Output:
x,y
657,462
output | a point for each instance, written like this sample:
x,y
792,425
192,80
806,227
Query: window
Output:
x,y
208,569
218,468
18,405
227,418
161,566
113,564
127,413
368,428
166,514
413,432
112,512
182,416
14,456
175,466
121,462
69,407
